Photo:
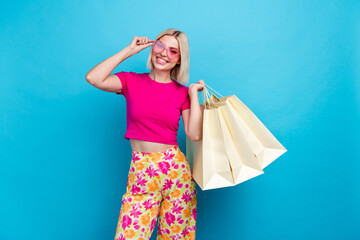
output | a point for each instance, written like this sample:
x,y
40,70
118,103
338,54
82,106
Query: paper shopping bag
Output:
x,y
243,162
208,157
247,131
230,131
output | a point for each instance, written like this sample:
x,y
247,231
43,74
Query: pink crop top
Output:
x,y
153,109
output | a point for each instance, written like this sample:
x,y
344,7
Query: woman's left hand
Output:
x,y
195,87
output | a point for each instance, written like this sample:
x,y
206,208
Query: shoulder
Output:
x,y
127,74
135,74
141,74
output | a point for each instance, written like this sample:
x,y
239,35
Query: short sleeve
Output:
x,y
186,104
125,79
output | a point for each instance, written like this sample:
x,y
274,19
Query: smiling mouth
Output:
x,y
161,60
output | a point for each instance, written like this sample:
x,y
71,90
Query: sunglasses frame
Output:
x,y
161,46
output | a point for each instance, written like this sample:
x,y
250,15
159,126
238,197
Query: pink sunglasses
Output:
x,y
158,47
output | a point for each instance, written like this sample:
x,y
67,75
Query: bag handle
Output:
x,y
207,97
206,94
213,89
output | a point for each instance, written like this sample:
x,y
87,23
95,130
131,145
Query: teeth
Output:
x,y
161,60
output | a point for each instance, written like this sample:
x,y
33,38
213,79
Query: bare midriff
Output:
x,y
145,146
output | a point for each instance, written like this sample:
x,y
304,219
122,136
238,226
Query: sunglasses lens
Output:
x,y
158,47
173,53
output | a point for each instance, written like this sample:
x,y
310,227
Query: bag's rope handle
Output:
x,y
207,95
204,95
213,89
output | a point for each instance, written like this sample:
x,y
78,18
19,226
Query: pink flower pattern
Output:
x,y
168,156
164,167
147,204
126,221
135,212
177,208
151,172
121,237
169,218
186,196
168,184
135,189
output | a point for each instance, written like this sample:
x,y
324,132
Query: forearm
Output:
x,y
101,71
196,118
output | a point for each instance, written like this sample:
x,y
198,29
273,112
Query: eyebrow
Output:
x,y
170,46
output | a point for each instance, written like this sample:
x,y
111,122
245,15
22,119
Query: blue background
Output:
x,y
64,161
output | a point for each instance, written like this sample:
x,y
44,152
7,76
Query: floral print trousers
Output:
x,y
159,184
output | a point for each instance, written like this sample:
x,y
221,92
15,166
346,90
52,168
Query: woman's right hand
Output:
x,y
140,43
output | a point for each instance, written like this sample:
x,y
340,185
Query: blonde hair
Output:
x,y
180,72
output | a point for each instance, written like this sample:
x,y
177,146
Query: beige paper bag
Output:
x,y
208,157
242,121
235,146
244,163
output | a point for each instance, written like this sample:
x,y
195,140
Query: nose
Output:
x,y
164,52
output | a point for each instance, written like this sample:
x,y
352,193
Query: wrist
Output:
x,y
129,51
193,94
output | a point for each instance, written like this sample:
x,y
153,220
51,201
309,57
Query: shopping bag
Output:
x,y
243,161
247,130
243,140
216,160
208,157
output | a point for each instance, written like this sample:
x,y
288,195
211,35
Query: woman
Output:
x,y
160,183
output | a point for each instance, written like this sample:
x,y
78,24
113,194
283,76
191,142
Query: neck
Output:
x,y
160,76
